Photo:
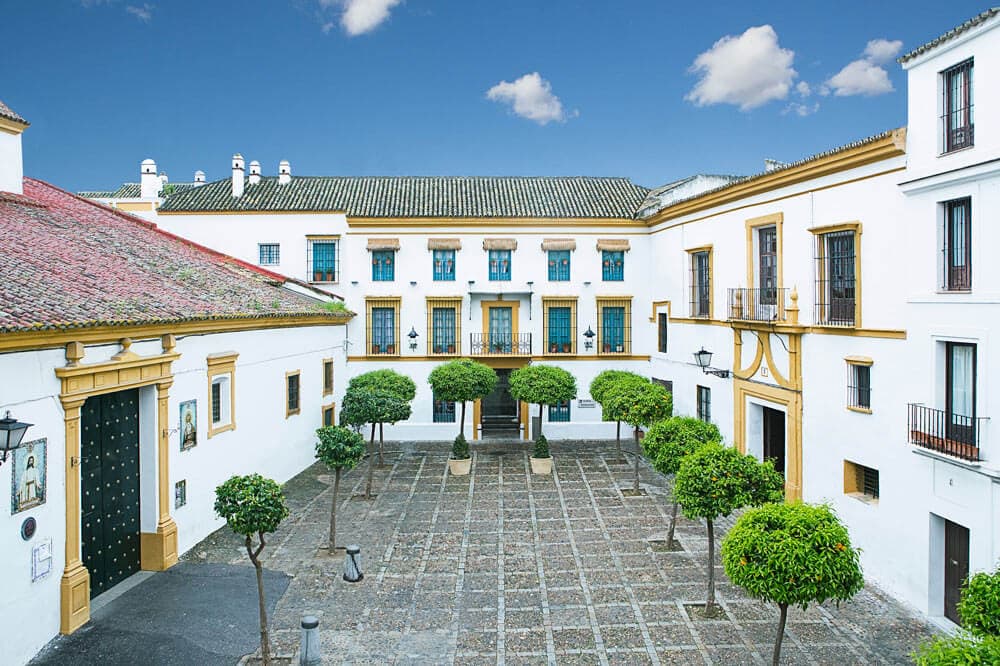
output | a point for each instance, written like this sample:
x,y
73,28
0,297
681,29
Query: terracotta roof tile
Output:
x,y
75,263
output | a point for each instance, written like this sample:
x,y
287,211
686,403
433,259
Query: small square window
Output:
x,y
500,265
444,412
861,482
558,265
444,265
559,413
292,394
613,265
383,265
270,254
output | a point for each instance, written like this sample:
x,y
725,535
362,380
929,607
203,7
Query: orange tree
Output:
x,y
600,385
361,406
338,448
639,404
542,385
978,644
384,380
461,381
667,442
792,554
253,505
715,481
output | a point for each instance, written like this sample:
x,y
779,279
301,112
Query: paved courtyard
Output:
x,y
503,567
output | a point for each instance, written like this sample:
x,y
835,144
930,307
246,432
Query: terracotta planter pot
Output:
x,y
459,467
541,465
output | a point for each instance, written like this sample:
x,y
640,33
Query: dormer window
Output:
x,y
957,117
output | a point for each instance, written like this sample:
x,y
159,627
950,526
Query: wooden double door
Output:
x,y
109,476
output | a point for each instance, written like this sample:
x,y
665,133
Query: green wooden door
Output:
x,y
109,447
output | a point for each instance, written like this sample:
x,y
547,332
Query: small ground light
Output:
x,y
352,564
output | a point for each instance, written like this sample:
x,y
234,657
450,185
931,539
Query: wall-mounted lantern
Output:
x,y
11,433
704,359
589,342
413,338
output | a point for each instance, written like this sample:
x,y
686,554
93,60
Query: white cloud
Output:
x,y
357,17
747,70
880,51
144,13
801,110
803,89
529,97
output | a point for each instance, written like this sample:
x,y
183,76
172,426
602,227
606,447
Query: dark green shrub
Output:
x,y
541,448
460,449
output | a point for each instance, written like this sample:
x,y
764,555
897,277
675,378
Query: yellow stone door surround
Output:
x,y
125,370
786,393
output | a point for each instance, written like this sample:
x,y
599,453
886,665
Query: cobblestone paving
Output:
x,y
504,567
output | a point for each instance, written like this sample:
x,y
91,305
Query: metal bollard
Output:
x,y
309,652
352,564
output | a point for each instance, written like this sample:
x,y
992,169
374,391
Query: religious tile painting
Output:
x,y
28,480
189,425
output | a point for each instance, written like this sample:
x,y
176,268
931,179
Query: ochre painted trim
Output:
x,y
394,302
322,415
477,417
298,407
893,145
559,302
9,126
222,364
515,307
47,339
775,220
525,420
328,389
656,306
859,360
321,237
711,280
860,410
125,370
492,222
614,302
820,232
453,303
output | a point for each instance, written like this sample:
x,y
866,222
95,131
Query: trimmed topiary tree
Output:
x,y
338,448
376,407
639,404
668,441
384,380
252,505
542,385
461,381
792,555
979,641
599,386
716,480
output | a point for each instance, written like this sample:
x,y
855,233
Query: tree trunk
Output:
x,y
265,642
461,424
673,523
638,454
371,464
618,438
381,436
710,604
333,511
539,434
781,634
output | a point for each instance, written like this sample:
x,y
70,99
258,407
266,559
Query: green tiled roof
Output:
x,y
430,196
129,191
95,194
951,34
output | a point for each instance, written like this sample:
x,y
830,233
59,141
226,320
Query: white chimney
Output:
x,y
254,172
11,161
149,183
284,172
199,178
163,179
237,175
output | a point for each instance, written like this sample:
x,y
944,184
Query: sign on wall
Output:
x,y
189,425
28,481
180,493
41,560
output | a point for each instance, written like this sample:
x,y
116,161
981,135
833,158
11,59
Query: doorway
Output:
x,y
109,475
956,567
500,410
774,437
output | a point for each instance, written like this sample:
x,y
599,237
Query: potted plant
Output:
x,y
618,348
607,346
541,459
317,276
390,349
376,349
552,348
567,347
329,275
460,462
451,349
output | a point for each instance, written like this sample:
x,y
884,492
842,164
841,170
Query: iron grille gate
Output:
x,y
109,474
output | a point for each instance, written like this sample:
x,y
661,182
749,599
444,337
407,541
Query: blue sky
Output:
x,y
412,87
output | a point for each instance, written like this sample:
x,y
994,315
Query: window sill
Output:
x,y
294,412
836,327
213,430
949,153
945,292
859,410
324,282
863,498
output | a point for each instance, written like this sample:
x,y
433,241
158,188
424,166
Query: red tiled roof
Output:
x,y
68,262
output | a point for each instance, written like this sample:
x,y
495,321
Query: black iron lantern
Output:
x,y
11,433
413,338
703,358
589,342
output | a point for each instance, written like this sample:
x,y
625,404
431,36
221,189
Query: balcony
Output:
x,y
757,305
484,344
951,434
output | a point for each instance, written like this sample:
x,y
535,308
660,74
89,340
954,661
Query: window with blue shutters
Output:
x,y
383,331
613,265
614,335
500,265
322,259
560,330
383,265
558,265
443,330
559,413
444,265
444,412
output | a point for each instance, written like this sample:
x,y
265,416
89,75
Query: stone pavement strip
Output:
x,y
502,567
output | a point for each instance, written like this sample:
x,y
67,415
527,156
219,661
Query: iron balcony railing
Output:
x,y
940,431
486,344
762,304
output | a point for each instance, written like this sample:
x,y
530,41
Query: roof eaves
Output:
x,y
950,35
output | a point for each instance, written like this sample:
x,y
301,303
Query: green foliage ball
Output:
x,y
338,447
462,380
460,449
668,441
639,404
361,406
605,380
385,380
979,606
541,448
251,504
716,480
794,554
542,385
